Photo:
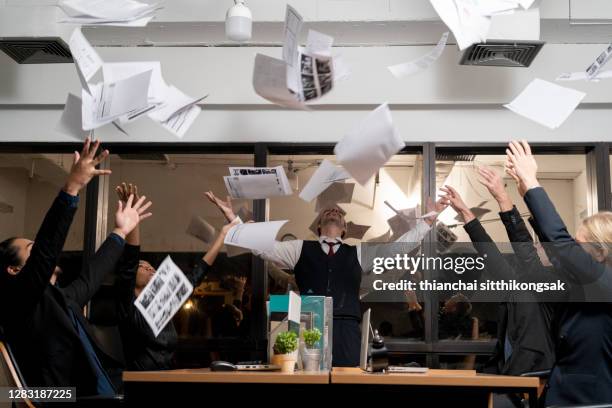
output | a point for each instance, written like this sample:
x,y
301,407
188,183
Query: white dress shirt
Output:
x,y
286,254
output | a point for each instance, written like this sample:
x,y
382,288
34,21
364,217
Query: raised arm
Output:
x,y
284,254
104,261
26,283
569,257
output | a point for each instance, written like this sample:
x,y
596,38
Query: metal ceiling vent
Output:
x,y
36,50
502,53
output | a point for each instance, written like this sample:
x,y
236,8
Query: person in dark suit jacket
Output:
x,y
44,323
582,373
143,350
524,342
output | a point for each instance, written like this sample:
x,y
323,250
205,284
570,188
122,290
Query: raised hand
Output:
x,y
494,183
522,164
124,191
436,207
130,214
457,203
224,206
84,167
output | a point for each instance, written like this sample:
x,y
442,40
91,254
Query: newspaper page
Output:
x,y
164,295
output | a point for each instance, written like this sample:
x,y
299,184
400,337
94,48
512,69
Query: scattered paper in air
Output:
x,y
464,19
163,296
546,103
326,174
86,59
125,13
597,65
337,193
259,236
356,231
202,230
257,182
369,145
422,63
71,121
292,28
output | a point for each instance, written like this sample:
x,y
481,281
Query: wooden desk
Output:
x,y
204,375
452,385
456,388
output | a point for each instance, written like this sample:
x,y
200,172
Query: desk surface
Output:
x,y
449,378
204,375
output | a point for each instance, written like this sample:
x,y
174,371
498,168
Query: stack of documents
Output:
x,y
369,145
304,74
126,13
124,92
257,183
546,103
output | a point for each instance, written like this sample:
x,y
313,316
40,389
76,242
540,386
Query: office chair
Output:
x,y
10,377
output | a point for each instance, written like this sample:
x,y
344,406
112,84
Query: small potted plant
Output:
x,y
312,352
285,351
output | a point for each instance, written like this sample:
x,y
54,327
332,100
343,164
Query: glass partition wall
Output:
x,y
225,317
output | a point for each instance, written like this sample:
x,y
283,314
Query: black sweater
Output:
x,y
143,351
525,322
37,315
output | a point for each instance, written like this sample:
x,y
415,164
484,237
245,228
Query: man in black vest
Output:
x,y
329,267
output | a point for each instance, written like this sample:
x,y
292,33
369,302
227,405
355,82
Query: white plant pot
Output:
x,y
311,359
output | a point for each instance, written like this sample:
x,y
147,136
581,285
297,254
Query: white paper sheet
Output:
x,y
464,20
163,296
86,59
319,43
116,71
292,29
546,103
259,236
107,12
422,63
71,121
124,96
270,82
180,122
257,182
202,230
174,102
601,60
369,145
326,174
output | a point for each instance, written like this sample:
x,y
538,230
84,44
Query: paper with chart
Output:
x,y
257,236
257,182
422,63
326,174
71,121
107,102
199,228
369,145
164,295
180,123
270,82
127,13
546,103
